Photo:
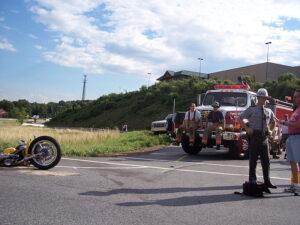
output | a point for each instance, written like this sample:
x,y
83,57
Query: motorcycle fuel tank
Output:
x,y
9,150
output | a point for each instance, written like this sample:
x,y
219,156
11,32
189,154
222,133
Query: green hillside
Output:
x,y
138,109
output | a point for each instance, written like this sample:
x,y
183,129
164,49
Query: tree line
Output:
x,y
22,108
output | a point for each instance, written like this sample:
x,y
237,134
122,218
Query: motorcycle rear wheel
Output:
x,y
50,152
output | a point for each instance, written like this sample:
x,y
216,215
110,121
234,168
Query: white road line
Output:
x,y
147,159
167,168
102,162
191,163
97,167
160,153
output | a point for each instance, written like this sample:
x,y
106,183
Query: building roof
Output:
x,y
258,71
169,74
190,73
2,112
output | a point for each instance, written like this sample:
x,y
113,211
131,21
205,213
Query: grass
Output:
x,y
7,122
76,142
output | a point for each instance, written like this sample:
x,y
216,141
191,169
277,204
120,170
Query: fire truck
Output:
x,y
233,100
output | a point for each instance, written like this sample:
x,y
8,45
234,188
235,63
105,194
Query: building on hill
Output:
x,y
183,74
257,71
3,113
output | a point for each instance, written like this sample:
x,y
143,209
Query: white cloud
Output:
x,y
32,36
14,11
105,36
6,27
6,45
38,47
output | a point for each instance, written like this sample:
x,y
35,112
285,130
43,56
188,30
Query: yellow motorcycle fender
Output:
x,y
9,150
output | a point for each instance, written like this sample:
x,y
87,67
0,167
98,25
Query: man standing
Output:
x,y
293,143
192,121
215,122
261,121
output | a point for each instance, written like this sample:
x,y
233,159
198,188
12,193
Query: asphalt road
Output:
x,y
164,187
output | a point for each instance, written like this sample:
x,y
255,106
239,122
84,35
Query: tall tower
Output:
x,y
84,86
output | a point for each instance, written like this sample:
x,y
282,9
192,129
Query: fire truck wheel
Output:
x,y
191,149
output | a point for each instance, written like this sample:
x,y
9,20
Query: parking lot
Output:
x,y
163,187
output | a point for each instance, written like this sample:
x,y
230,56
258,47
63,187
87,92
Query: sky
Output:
x,y
46,46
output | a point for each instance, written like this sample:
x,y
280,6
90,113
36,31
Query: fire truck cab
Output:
x,y
233,100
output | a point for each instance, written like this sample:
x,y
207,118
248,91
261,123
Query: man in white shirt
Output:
x,y
192,121
193,114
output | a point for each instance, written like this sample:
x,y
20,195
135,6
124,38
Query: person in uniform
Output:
x,y
261,123
192,121
214,122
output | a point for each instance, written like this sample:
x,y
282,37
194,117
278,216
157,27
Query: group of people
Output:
x,y
214,122
261,122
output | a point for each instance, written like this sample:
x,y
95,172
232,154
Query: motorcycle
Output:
x,y
43,152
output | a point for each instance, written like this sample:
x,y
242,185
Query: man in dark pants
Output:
x,y
215,119
261,121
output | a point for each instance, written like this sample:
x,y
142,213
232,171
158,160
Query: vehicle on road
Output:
x,y
173,123
160,126
233,100
43,152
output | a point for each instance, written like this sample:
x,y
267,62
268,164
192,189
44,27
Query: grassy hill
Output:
x,y
138,109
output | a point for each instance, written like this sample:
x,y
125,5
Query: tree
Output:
x,y
19,113
287,77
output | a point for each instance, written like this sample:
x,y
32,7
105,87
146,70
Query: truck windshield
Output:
x,y
226,98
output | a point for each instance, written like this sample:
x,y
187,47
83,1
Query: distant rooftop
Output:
x,y
171,75
261,72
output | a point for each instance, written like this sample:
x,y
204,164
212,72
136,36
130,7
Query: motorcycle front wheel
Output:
x,y
47,152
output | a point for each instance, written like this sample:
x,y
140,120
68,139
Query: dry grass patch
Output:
x,y
76,142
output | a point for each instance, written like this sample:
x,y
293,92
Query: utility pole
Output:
x,y
84,86
149,77
268,44
200,59
174,105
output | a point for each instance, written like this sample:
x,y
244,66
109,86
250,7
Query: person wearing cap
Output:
x,y
192,120
214,122
293,143
261,123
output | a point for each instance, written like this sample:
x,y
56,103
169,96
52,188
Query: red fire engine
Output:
x,y
233,100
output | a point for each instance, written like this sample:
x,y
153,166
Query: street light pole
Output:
x,y
200,59
149,78
268,44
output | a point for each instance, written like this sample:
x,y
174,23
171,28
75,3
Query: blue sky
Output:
x,y
47,45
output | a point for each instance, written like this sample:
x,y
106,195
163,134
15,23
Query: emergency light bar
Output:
x,y
232,86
